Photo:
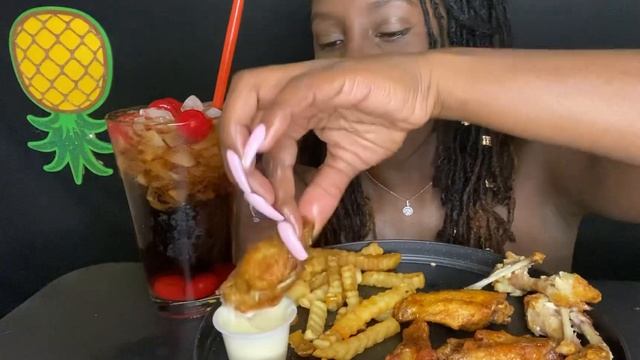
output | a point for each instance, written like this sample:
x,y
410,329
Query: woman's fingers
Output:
x,y
279,168
321,197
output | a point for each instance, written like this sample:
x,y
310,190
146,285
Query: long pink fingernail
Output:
x,y
253,144
237,171
291,240
260,204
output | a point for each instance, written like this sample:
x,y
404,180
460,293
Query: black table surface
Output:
x,y
104,312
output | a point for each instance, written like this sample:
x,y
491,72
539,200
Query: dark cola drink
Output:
x,y
181,204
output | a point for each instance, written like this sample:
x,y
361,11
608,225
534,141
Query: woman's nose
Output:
x,y
361,48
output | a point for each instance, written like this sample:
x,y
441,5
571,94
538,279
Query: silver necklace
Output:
x,y
407,210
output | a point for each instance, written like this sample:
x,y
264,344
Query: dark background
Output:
x,y
49,226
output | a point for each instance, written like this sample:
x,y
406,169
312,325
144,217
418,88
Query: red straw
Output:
x,y
228,51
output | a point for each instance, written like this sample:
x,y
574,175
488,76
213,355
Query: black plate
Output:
x,y
445,267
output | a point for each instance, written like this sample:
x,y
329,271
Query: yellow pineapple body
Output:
x,y
60,60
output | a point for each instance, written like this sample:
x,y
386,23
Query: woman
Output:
x,y
450,180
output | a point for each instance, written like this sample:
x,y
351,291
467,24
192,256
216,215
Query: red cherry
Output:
x,y
194,126
205,284
223,270
170,104
169,287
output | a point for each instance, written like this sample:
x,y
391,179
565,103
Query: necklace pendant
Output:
x,y
407,210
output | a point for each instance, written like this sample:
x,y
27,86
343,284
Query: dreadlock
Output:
x,y
473,165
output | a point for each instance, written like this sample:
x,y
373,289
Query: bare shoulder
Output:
x,y
581,182
556,173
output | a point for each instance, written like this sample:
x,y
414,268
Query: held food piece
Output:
x,y
264,275
458,309
415,344
498,345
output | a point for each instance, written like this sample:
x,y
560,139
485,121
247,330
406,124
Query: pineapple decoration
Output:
x,y
62,59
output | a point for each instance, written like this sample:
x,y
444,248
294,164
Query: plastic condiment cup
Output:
x,y
262,335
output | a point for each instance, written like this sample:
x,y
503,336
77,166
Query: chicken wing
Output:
x,y
591,352
544,318
264,275
564,289
458,309
415,344
498,345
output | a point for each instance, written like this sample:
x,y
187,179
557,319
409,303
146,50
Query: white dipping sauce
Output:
x,y
260,335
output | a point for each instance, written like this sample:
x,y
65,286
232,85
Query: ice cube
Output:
x,y
181,157
157,114
151,138
213,113
138,125
142,180
192,103
179,195
173,139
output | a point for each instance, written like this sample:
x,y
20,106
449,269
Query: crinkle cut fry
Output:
x,y
358,317
349,275
301,346
334,298
382,262
390,279
349,348
316,321
317,294
372,249
299,290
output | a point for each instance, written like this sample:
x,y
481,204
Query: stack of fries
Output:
x,y
329,283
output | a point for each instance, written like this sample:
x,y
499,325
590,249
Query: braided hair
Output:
x,y
473,165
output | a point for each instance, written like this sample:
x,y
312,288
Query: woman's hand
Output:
x,y
362,109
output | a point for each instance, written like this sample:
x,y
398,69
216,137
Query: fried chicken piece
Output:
x,y
567,290
498,345
544,318
415,344
513,266
564,289
458,309
597,346
592,352
264,275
